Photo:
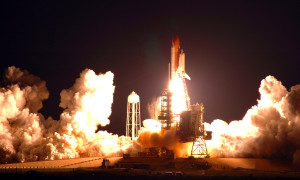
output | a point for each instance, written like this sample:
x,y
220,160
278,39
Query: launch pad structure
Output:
x,y
189,123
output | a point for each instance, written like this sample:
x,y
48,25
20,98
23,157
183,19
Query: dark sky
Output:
x,y
230,47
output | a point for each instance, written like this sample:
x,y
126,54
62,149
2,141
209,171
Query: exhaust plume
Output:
x,y
20,126
151,135
270,129
26,136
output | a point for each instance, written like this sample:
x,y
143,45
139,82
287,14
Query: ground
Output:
x,y
152,167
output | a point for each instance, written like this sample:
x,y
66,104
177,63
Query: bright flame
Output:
x,y
152,125
179,97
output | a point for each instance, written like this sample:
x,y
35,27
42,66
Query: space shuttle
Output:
x,y
177,61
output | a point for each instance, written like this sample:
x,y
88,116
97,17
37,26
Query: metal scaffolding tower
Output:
x,y
133,122
199,148
166,114
201,135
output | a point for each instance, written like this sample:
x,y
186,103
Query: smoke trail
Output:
x,y
270,129
26,136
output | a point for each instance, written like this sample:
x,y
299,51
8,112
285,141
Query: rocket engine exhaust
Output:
x,y
26,136
270,129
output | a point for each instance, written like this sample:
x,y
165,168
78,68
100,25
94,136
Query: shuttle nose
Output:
x,y
176,41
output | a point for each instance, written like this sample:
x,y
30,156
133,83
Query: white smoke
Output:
x,y
26,136
87,104
33,88
20,126
271,129
151,135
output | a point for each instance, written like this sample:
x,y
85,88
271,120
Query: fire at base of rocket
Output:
x,y
269,129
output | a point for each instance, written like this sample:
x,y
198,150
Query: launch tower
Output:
x,y
189,120
166,114
191,129
133,122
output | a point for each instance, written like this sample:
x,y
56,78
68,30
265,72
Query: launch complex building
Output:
x,y
189,122
175,109
159,162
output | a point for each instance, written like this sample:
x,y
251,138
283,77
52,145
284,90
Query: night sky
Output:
x,y
230,47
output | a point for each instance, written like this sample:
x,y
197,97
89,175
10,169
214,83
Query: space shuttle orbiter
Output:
x,y
177,60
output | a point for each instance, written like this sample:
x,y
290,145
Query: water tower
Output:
x,y
133,122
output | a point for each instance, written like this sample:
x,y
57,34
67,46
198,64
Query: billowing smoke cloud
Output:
x,y
26,136
20,126
34,90
271,129
152,136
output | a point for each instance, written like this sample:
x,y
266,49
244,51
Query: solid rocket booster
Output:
x,y
177,60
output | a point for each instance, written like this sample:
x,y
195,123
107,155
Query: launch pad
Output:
x,y
152,167
176,109
160,162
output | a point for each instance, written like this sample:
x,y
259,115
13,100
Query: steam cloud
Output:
x,y
26,136
152,136
270,129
